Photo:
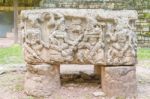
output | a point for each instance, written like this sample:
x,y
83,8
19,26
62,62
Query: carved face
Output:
x,y
76,26
122,37
77,29
33,36
61,27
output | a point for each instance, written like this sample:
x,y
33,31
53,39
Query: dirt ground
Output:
x,y
11,85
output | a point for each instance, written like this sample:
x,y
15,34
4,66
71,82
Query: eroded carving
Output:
x,y
85,37
121,43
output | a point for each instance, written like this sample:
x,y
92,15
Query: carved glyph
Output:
x,y
83,36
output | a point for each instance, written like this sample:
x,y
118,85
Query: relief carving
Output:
x,y
121,43
87,37
79,36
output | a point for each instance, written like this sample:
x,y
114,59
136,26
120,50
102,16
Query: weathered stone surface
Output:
x,y
42,80
97,69
79,36
121,44
119,81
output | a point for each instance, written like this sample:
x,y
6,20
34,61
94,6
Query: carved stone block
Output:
x,y
119,81
79,36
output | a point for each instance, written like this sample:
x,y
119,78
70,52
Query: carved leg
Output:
x,y
119,81
42,80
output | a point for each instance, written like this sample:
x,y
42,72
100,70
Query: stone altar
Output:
x,y
103,38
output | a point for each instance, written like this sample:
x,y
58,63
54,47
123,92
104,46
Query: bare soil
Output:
x,y
11,86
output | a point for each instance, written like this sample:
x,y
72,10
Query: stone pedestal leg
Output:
x,y
97,70
119,81
42,80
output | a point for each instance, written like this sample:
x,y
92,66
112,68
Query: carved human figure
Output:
x,y
85,46
96,54
33,45
120,42
90,50
73,37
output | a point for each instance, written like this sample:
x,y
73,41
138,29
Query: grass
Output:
x,y
11,55
147,15
14,54
143,53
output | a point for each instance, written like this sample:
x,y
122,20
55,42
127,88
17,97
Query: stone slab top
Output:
x,y
130,14
79,36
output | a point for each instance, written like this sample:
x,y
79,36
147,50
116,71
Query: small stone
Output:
x,y
70,88
85,76
80,80
98,93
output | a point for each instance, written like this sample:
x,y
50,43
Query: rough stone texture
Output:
x,y
79,36
97,71
42,80
119,81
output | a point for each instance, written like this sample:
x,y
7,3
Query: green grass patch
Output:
x,y
143,53
11,55
146,15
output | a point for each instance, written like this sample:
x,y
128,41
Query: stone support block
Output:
x,y
42,80
97,71
119,82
